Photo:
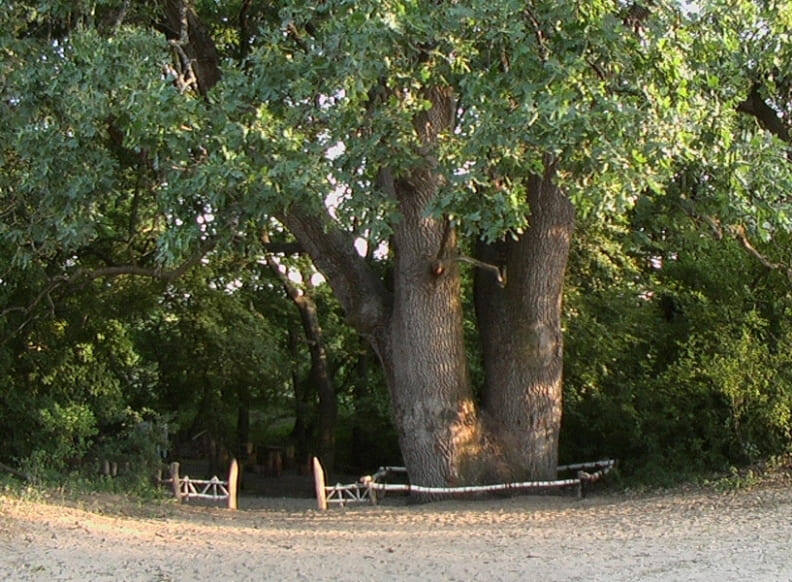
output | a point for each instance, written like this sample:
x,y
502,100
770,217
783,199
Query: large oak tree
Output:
x,y
451,134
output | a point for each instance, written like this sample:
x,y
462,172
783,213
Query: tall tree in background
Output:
x,y
320,376
457,133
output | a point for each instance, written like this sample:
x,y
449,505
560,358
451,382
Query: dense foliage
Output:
x,y
678,353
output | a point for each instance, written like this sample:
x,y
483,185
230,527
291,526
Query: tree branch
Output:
x,y
359,290
736,231
541,39
766,116
244,30
714,224
122,12
288,285
44,294
439,266
187,34
295,35
636,16
166,275
499,272
20,474
286,248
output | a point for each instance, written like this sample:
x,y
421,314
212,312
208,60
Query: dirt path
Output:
x,y
682,536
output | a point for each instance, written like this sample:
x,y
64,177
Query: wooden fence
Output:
x,y
369,487
184,488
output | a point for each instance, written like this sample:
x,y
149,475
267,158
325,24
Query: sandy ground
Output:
x,y
695,535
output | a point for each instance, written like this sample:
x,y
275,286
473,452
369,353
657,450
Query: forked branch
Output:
x,y
439,267
736,231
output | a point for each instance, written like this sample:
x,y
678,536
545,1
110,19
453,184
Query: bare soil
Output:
x,y
693,534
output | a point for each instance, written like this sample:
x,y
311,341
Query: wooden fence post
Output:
x,y
372,493
233,477
174,474
319,483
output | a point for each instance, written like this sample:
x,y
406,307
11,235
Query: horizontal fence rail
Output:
x,y
370,487
213,488
185,488
352,493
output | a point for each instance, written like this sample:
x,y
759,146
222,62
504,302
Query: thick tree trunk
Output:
x,y
522,342
424,354
425,361
417,332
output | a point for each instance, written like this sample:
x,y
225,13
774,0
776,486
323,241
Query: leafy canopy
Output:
x,y
321,96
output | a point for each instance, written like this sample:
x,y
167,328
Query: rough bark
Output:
x,y
424,359
417,333
443,437
522,341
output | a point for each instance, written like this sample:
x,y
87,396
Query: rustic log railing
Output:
x,y
369,488
184,488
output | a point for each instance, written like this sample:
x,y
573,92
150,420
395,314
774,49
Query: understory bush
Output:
x,y
683,371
